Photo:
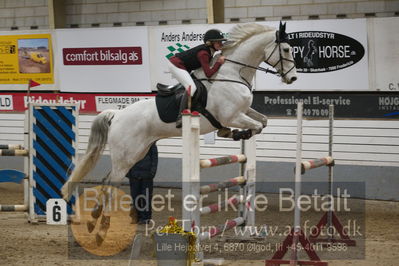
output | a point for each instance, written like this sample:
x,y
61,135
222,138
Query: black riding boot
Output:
x,y
183,105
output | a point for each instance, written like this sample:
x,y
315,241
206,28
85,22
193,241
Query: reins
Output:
x,y
266,70
248,85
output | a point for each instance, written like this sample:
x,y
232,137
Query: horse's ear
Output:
x,y
282,35
278,33
280,27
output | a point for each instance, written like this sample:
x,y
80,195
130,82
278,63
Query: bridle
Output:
x,y
267,70
281,59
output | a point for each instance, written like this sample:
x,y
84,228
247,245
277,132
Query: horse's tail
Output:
x,y
97,141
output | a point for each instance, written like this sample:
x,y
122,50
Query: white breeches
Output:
x,y
183,77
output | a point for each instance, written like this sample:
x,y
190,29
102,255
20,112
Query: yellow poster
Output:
x,y
25,57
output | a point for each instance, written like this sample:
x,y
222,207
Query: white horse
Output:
x,y
131,131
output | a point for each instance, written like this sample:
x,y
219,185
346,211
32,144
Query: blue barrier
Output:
x,y
53,140
13,176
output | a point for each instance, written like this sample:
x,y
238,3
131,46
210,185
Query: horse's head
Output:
x,y
280,56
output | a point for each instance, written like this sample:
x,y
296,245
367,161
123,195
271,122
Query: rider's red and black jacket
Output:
x,y
194,58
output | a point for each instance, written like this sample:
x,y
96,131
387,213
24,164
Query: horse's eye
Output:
x,y
286,50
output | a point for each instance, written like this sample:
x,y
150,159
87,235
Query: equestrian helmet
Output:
x,y
213,35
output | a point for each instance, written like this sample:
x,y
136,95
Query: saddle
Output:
x,y
168,90
168,101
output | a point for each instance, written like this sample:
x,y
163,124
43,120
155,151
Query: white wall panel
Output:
x,y
356,142
384,42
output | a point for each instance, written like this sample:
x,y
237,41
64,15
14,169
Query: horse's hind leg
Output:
x,y
95,213
98,208
105,219
110,194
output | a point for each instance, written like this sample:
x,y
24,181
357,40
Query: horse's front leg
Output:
x,y
257,116
95,214
245,122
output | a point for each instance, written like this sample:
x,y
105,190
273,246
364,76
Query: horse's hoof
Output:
x,y
90,226
102,233
264,122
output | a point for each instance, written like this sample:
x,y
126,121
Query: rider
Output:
x,y
183,63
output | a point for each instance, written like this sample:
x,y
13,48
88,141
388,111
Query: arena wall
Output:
x,y
365,151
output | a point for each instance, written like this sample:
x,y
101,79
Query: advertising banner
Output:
x,y
88,103
103,60
330,55
384,56
348,105
24,57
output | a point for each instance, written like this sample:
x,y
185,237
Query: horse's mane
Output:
x,y
241,32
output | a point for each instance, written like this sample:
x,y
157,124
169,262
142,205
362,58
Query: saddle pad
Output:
x,y
168,106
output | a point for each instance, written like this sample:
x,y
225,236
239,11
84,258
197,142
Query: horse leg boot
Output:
x,y
241,134
234,134
183,105
243,121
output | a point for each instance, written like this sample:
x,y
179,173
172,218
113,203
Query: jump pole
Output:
x,y
232,182
11,147
330,166
298,180
190,175
191,182
330,219
297,235
248,190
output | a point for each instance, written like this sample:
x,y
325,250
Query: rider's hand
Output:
x,y
221,59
